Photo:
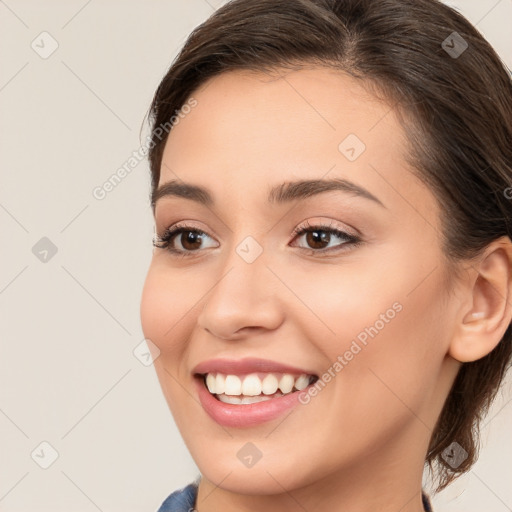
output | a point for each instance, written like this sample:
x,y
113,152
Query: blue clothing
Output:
x,y
184,500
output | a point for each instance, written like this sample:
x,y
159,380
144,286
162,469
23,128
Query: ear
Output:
x,y
484,323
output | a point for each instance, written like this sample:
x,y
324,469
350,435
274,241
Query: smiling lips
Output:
x,y
254,387
249,391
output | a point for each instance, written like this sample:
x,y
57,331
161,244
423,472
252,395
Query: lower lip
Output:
x,y
244,415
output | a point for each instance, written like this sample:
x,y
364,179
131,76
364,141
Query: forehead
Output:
x,y
293,113
250,130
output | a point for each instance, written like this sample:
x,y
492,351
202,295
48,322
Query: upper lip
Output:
x,y
246,365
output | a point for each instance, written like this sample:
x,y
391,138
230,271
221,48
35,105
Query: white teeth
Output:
x,y
238,400
302,382
220,382
230,399
210,382
270,384
254,399
251,385
286,383
235,389
233,385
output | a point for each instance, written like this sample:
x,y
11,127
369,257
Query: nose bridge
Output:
x,y
244,268
242,295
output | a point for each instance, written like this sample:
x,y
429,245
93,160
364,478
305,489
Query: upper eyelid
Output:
x,y
329,225
304,225
191,226
302,228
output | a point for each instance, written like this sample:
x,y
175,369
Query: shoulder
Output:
x,y
181,500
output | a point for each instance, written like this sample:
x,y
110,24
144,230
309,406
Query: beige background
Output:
x,y
69,325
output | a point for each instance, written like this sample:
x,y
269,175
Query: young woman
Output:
x,y
330,289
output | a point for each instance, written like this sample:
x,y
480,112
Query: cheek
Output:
x,y
337,303
165,312
388,331
393,377
166,309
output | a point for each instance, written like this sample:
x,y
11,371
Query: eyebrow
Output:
x,y
283,193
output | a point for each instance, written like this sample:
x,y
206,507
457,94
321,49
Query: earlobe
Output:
x,y
490,313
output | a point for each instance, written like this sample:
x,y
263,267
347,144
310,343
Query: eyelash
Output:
x,y
164,241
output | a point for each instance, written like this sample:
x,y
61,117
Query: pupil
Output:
x,y
191,238
314,239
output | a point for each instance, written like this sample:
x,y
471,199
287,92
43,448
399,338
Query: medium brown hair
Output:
x,y
456,111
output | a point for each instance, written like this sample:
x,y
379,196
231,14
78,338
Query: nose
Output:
x,y
243,299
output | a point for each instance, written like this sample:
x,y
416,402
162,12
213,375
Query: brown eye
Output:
x,y
318,238
190,240
182,240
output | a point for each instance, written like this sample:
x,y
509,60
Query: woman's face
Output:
x,y
372,315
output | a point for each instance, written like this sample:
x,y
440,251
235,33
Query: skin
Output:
x,y
360,444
